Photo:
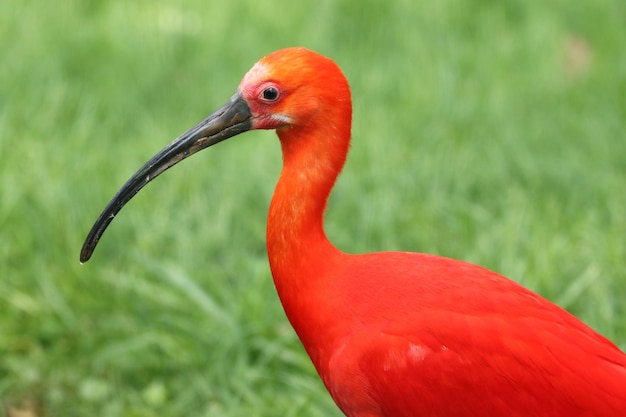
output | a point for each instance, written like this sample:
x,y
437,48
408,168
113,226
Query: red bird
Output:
x,y
392,334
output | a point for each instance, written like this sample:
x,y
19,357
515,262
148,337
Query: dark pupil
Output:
x,y
270,94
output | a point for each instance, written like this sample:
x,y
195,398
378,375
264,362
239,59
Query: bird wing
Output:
x,y
478,345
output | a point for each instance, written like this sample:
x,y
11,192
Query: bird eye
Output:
x,y
270,94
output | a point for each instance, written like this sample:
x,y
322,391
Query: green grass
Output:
x,y
492,132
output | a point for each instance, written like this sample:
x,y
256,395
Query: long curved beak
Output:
x,y
229,120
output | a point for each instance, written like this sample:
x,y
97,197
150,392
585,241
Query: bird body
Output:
x,y
410,341
393,334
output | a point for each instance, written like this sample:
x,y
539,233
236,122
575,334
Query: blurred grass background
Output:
x,y
488,131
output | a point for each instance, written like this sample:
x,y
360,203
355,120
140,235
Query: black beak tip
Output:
x,y
85,254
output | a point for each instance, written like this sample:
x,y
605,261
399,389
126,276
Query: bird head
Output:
x,y
293,87
290,90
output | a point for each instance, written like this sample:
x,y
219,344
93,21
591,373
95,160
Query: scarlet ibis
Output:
x,y
392,334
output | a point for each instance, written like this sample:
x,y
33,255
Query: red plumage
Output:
x,y
403,334
474,345
393,334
